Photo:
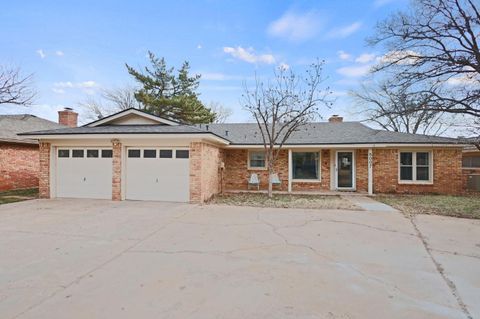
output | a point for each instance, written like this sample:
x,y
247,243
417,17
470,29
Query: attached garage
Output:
x,y
84,172
155,173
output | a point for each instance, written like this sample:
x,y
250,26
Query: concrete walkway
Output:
x,y
102,259
369,204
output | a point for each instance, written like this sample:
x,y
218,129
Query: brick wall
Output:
x,y
116,170
205,172
19,166
44,172
447,173
361,170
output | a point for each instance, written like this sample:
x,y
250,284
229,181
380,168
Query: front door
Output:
x,y
345,170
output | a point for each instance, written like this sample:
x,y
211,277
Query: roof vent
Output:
x,y
206,127
226,133
335,119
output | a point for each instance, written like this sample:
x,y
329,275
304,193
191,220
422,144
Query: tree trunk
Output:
x,y
270,185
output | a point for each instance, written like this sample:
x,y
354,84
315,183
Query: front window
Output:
x,y
305,165
415,166
256,159
471,161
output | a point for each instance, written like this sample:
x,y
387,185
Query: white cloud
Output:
x,y
365,58
354,71
345,31
199,46
59,53
68,84
58,90
41,53
403,57
343,55
296,26
248,55
463,80
283,66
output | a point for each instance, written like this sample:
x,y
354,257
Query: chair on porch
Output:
x,y
254,181
275,180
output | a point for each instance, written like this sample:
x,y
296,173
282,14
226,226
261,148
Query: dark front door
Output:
x,y
344,169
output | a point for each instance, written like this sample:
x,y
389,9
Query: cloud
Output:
x,y
345,31
58,90
59,53
343,55
296,26
41,53
365,58
199,46
68,84
283,66
381,3
464,80
248,55
399,57
354,71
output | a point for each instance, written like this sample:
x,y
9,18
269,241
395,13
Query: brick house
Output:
x,y
138,156
471,168
19,161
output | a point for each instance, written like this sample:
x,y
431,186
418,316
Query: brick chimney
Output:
x,y
67,117
335,119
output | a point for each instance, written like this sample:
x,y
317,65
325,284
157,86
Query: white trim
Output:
x,y
306,180
250,168
414,168
347,146
129,112
290,170
354,171
370,171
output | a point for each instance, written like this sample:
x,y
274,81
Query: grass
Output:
x,y
18,195
284,201
455,206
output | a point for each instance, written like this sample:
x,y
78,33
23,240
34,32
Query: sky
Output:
x,y
76,49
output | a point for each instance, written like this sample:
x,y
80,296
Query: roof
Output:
x,y
107,119
11,125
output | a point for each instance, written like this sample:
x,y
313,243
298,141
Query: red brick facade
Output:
x,y
44,172
19,166
205,171
116,170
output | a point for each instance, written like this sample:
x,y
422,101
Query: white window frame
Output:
x,y
414,167
303,180
256,168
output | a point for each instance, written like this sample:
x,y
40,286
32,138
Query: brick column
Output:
x,y
44,174
195,172
116,170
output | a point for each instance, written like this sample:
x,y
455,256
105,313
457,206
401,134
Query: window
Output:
x,y
63,153
77,153
107,153
166,153
92,153
305,165
256,159
133,153
149,153
471,161
181,154
415,166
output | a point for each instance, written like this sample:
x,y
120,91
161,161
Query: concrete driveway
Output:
x,y
102,259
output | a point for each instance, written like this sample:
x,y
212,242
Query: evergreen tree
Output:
x,y
169,94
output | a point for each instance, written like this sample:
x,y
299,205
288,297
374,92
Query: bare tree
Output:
x,y
436,41
15,88
282,105
401,109
222,113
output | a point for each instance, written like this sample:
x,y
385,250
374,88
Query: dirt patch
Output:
x,y
18,195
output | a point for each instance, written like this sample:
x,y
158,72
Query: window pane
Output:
x,y
476,161
107,153
405,158
63,153
305,165
406,173
149,153
257,159
133,153
92,153
422,173
166,153
471,161
181,154
77,153
422,158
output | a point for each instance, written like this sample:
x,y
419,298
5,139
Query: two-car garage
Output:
x,y
149,173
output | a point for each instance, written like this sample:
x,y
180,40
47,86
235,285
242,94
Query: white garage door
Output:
x,y
160,174
84,173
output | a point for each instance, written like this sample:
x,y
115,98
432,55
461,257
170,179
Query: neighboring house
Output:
x,y
471,168
138,156
19,164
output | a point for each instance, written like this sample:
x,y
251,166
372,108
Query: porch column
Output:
x,y
289,170
370,172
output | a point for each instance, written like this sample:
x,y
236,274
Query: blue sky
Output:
x,y
77,48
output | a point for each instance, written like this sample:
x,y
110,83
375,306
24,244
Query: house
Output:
x,y
471,167
138,156
19,164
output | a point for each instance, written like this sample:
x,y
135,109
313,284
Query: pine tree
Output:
x,y
170,95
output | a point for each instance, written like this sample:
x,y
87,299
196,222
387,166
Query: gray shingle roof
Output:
x,y
248,133
11,125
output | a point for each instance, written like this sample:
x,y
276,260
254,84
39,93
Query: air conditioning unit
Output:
x,y
473,182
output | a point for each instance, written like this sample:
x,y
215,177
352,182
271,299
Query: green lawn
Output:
x,y
284,201
456,206
18,195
